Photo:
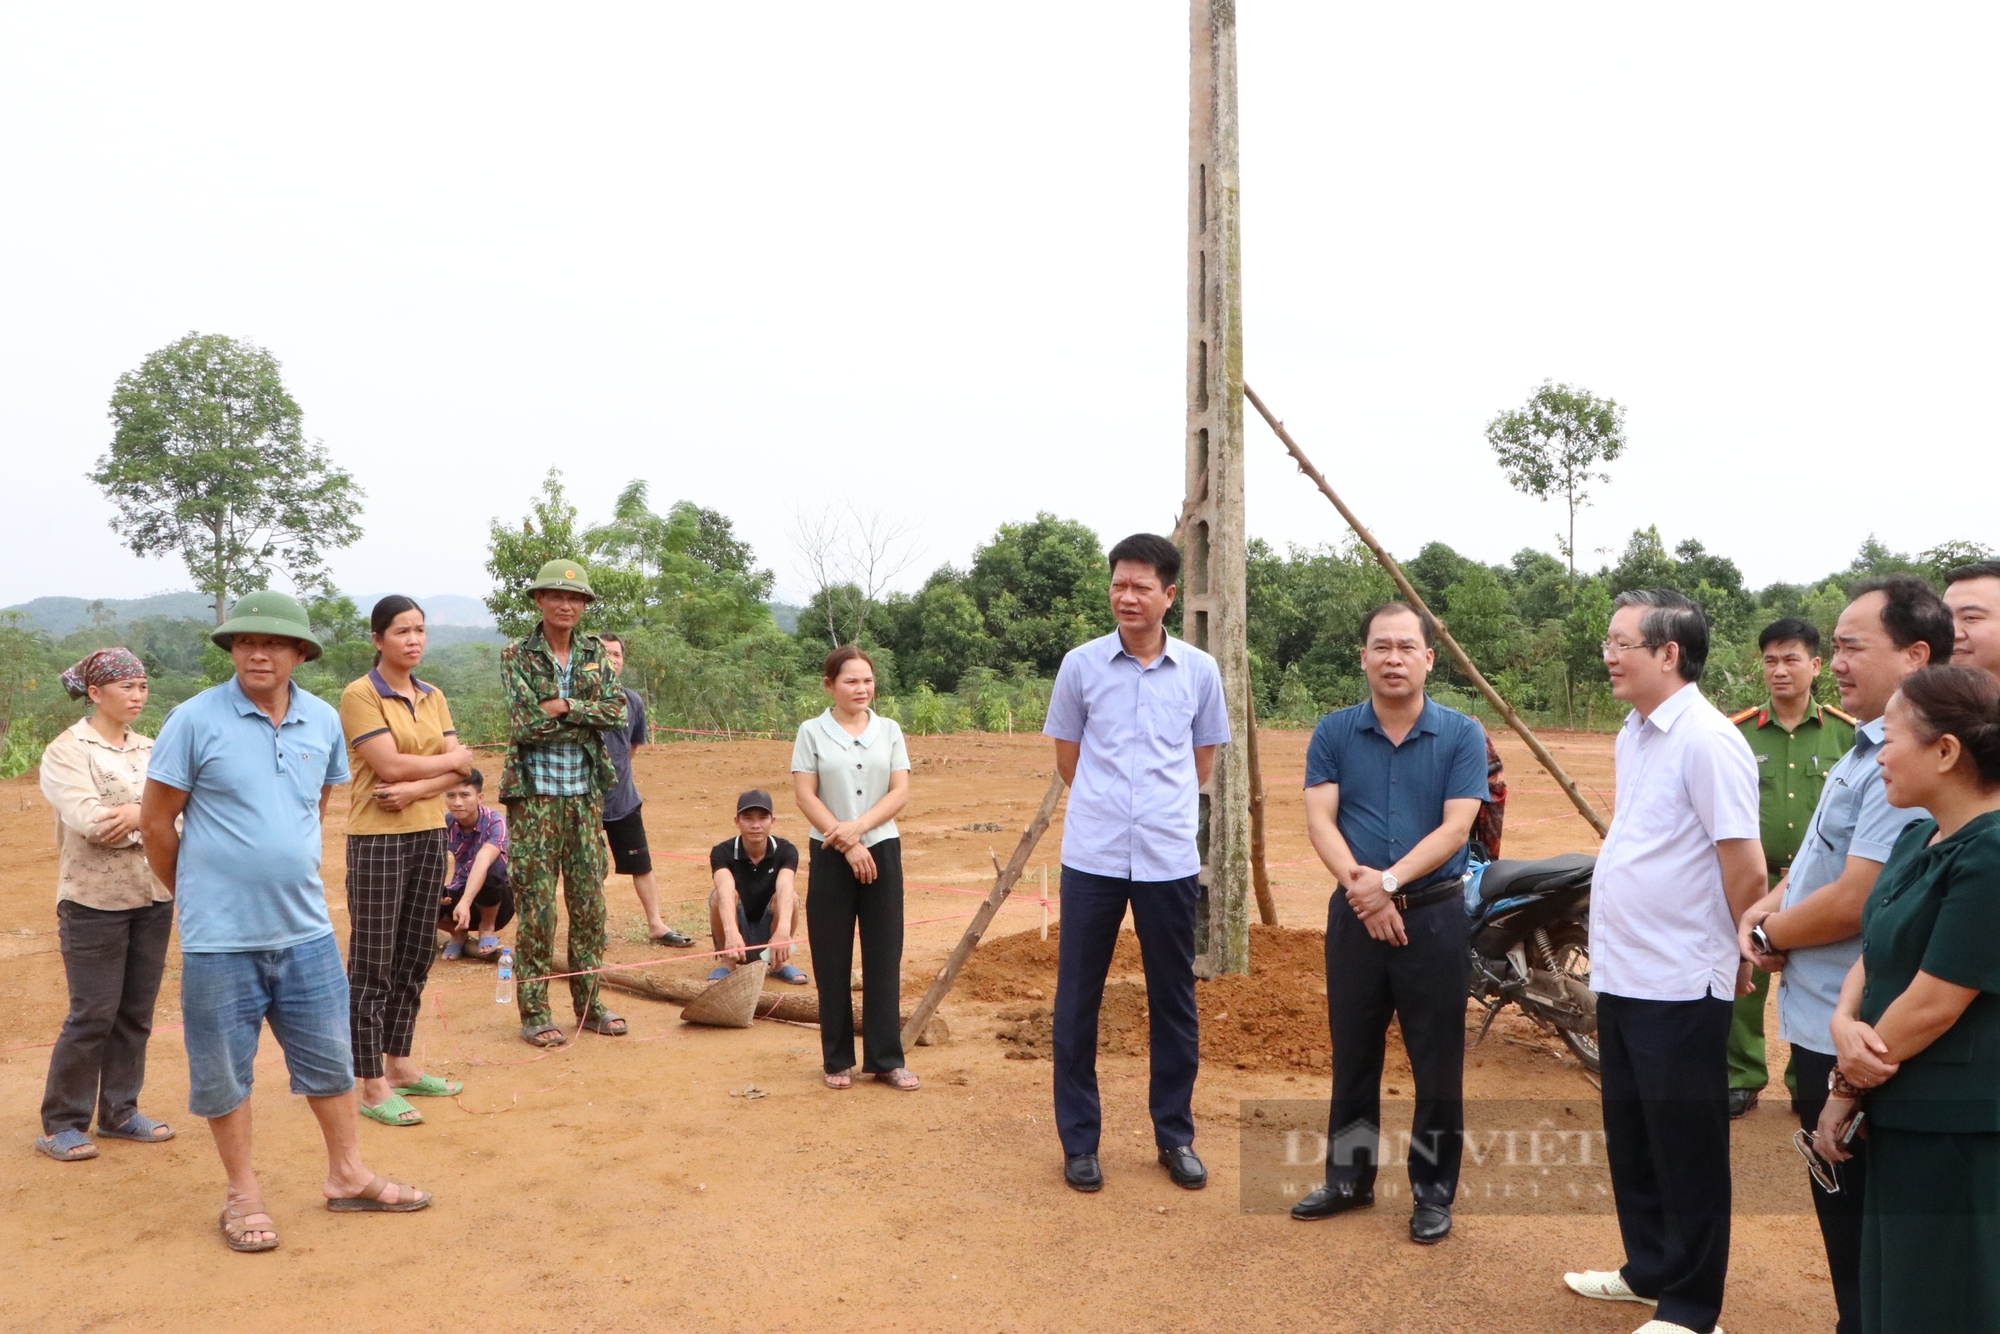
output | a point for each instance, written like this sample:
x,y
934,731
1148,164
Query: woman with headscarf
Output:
x,y
113,916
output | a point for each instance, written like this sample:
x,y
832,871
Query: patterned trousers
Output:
x,y
548,836
394,883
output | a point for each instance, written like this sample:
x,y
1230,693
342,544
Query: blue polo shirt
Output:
x,y
248,874
1392,797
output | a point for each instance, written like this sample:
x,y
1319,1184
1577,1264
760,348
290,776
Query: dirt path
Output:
x,y
621,1183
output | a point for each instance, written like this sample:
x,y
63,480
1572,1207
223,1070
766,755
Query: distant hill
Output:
x,y
57,617
786,615
439,608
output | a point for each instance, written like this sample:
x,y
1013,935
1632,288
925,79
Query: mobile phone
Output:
x,y
1759,941
1853,1131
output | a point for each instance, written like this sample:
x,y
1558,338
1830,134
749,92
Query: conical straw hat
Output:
x,y
731,1002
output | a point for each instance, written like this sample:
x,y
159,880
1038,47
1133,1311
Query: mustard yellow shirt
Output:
x,y
369,707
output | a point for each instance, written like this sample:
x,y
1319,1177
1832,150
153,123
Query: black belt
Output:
x,y
1406,900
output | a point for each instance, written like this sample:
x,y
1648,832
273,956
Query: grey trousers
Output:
x,y
113,961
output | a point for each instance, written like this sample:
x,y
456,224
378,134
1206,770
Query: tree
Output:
x,y
684,571
1551,447
208,458
514,558
1043,587
849,558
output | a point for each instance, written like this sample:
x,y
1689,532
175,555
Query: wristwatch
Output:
x,y
1390,884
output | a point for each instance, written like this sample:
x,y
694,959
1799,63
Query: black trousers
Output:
x,y
1666,1133
837,903
1423,984
113,960
1839,1213
1093,909
394,885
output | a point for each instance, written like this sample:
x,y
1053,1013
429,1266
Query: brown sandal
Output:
x,y
899,1078
236,1225
840,1079
369,1201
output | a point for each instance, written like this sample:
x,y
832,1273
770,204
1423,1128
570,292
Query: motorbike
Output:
x,y
1531,946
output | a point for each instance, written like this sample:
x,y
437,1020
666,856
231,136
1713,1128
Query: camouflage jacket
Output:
x,y
528,670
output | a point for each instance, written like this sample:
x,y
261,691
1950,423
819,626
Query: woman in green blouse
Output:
x,y
1918,1025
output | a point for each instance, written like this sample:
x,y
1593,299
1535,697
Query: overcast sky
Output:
x,y
930,258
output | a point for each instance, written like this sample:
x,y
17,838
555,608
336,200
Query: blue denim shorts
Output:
x,y
225,999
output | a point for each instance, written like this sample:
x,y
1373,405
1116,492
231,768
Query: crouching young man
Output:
x,y
754,902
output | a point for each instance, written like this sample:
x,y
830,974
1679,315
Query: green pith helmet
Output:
x,y
564,576
267,612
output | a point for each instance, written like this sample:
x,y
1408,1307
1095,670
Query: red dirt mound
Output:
x,y
1273,1019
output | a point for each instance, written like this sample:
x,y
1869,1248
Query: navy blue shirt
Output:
x,y
1392,797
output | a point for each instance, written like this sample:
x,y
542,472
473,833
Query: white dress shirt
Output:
x,y
1660,925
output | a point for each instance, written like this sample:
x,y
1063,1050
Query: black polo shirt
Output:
x,y
756,882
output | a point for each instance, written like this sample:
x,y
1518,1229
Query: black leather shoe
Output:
x,y
1080,1170
1430,1224
1184,1167
1741,1101
1327,1201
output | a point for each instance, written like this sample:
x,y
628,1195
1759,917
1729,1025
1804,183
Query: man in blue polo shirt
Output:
x,y
248,766
1392,788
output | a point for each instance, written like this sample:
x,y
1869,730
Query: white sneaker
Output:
x,y
1606,1286
1667,1327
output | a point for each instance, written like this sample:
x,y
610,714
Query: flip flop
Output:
x,y
840,1079
898,1078
791,973
488,947
430,1086
234,1229
672,937
140,1128
601,1024
66,1146
454,949
717,974
369,1201
541,1035
393,1111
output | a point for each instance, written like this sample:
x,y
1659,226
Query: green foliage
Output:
x,y
1043,587
1305,611
547,533
209,459
1554,446
684,572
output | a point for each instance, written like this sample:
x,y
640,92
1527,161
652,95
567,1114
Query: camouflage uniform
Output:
x,y
557,834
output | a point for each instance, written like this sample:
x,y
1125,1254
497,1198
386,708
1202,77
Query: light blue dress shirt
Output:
x,y
248,874
1136,801
1853,819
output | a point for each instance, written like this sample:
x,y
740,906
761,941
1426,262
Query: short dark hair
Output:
x,y
843,655
611,637
1979,569
474,780
1150,549
1790,629
1961,702
1912,612
1424,621
1671,618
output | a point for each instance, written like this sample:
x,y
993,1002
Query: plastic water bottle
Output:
x,y
503,990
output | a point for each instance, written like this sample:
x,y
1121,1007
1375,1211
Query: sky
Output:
x,y
929,261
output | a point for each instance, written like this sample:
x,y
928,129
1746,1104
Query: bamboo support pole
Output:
x,y
1260,875
1003,883
1409,592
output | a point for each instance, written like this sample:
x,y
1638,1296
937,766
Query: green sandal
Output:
x,y
430,1086
393,1111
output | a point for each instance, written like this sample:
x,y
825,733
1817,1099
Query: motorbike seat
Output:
x,y
1506,878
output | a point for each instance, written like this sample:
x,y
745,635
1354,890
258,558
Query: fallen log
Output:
x,y
796,1007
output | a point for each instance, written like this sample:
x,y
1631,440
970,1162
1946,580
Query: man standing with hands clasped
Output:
x,y
1136,718
1810,925
1393,785
1680,866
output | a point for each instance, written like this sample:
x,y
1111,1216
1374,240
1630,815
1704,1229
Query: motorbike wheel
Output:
x,y
1570,943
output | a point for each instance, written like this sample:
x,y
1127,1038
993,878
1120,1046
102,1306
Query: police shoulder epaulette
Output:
x,y
1746,715
1841,714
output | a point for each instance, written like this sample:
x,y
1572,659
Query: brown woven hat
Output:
x,y
732,1001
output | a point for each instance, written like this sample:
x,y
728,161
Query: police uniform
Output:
x,y
1791,769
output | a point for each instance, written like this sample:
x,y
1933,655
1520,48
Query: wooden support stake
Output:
x,y
1409,592
1260,875
1003,883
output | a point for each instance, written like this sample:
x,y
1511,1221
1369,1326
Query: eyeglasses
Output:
x,y
1611,649
1825,1175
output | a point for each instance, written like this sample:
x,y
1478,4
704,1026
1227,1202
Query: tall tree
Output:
x,y
208,458
1554,446
514,557
684,571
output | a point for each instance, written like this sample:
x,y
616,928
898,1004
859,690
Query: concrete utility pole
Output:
x,y
1211,529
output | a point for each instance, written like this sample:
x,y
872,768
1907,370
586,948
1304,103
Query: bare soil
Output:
x,y
628,1182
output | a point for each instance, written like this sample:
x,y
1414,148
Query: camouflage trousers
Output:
x,y
550,836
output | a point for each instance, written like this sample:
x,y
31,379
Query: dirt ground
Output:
x,y
684,1205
